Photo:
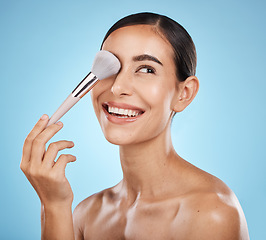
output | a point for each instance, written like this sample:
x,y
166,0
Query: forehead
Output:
x,y
130,41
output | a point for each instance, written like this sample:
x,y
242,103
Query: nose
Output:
x,y
122,85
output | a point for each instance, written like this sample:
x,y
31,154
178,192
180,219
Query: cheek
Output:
x,y
98,89
94,96
158,98
157,95
101,87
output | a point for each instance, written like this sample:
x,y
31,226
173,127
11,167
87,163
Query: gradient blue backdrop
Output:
x,y
47,47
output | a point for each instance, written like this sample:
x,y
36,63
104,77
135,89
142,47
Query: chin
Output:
x,y
120,139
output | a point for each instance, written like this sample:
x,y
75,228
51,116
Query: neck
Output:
x,y
148,166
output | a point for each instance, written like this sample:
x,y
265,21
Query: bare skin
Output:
x,y
161,196
209,212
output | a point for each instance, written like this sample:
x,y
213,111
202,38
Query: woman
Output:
x,y
161,196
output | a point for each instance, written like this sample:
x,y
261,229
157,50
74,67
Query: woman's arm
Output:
x,y
49,180
57,222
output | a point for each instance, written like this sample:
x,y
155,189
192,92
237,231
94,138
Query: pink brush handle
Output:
x,y
65,106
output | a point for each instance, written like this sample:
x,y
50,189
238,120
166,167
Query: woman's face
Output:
x,y
136,105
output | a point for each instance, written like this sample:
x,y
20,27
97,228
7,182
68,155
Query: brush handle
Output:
x,y
80,91
63,109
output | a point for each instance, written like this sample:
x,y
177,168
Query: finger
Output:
x,y
52,151
38,145
27,146
62,161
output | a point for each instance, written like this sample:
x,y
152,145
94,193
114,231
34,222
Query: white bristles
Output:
x,y
105,64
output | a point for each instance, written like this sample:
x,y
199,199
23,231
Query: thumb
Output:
x,y
62,161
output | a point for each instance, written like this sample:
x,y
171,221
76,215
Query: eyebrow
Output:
x,y
144,57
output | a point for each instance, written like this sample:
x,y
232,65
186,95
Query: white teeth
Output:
x,y
123,112
110,109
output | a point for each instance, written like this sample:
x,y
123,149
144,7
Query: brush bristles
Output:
x,y
105,64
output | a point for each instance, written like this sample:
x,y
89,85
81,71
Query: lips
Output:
x,y
121,113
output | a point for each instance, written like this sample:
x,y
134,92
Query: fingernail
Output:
x,y
44,116
59,123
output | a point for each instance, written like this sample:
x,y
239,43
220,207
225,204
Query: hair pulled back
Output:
x,y
185,56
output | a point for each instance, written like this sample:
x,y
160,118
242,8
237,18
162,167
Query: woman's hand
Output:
x,y
45,175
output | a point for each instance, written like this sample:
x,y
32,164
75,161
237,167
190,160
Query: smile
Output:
x,y
121,113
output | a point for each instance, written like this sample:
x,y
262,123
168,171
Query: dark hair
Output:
x,y
184,49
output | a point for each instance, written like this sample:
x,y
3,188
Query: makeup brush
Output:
x,y
105,64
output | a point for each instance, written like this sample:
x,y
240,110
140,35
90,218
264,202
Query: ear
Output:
x,y
187,91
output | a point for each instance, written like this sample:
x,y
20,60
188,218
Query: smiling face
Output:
x,y
137,104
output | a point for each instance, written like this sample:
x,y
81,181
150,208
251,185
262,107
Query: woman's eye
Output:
x,y
146,69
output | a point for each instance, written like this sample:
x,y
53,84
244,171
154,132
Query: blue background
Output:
x,y
47,47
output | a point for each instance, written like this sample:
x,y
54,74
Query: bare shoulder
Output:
x,y
215,212
88,210
88,207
